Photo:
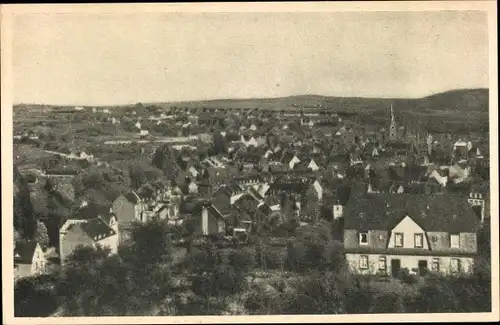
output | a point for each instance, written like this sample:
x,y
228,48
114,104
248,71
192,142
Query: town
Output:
x,y
394,193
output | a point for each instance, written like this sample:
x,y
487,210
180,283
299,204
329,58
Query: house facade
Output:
x,y
87,233
210,222
128,208
384,234
29,260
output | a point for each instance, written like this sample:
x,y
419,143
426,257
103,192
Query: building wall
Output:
x,y
71,240
23,271
204,221
39,261
338,211
210,223
408,228
110,242
407,261
318,189
163,213
124,210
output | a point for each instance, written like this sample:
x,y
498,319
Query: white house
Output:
x,y
29,259
312,165
293,161
91,233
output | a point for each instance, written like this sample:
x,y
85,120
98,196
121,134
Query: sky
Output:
x,y
112,59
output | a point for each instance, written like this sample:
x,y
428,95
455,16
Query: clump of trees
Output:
x,y
145,279
95,283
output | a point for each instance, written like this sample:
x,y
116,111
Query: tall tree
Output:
x,y
24,216
41,234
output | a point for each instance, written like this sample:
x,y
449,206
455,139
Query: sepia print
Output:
x,y
243,163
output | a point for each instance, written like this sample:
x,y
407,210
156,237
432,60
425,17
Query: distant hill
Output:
x,y
470,100
458,100
454,100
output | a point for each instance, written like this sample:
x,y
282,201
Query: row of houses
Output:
x,y
244,204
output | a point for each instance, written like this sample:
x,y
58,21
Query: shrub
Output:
x,y
407,278
34,297
388,302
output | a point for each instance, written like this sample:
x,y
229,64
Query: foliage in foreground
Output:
x,y
144,280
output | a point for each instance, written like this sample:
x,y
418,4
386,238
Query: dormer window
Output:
x,y
363,238
454,241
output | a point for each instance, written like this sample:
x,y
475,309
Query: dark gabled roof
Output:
x,y
246,202
278,168
287,156
222,203
398,145
25,250
415,173
302,165
255,177
97,229
433,212
90,211
215,212
132,197
107,217
272,200
214,173
397,173
254,159
264,209
233,188
293,187
191,205
480,186
146,192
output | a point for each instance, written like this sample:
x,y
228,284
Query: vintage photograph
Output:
x,y
238,163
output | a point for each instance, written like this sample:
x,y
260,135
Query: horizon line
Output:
x,y
253,98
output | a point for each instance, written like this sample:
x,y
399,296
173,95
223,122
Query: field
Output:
x,y
458,111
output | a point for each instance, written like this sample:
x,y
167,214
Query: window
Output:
x,y
454,241
363,262
435,265
419,240
455,265
363,238
382,263
398,239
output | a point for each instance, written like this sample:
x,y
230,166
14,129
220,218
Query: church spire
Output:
x,y
392,128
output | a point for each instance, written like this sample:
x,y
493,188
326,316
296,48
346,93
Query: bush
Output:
x,y
262,302
407,278
388,302
34,297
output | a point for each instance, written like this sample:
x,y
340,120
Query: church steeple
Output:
x,y
392,128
